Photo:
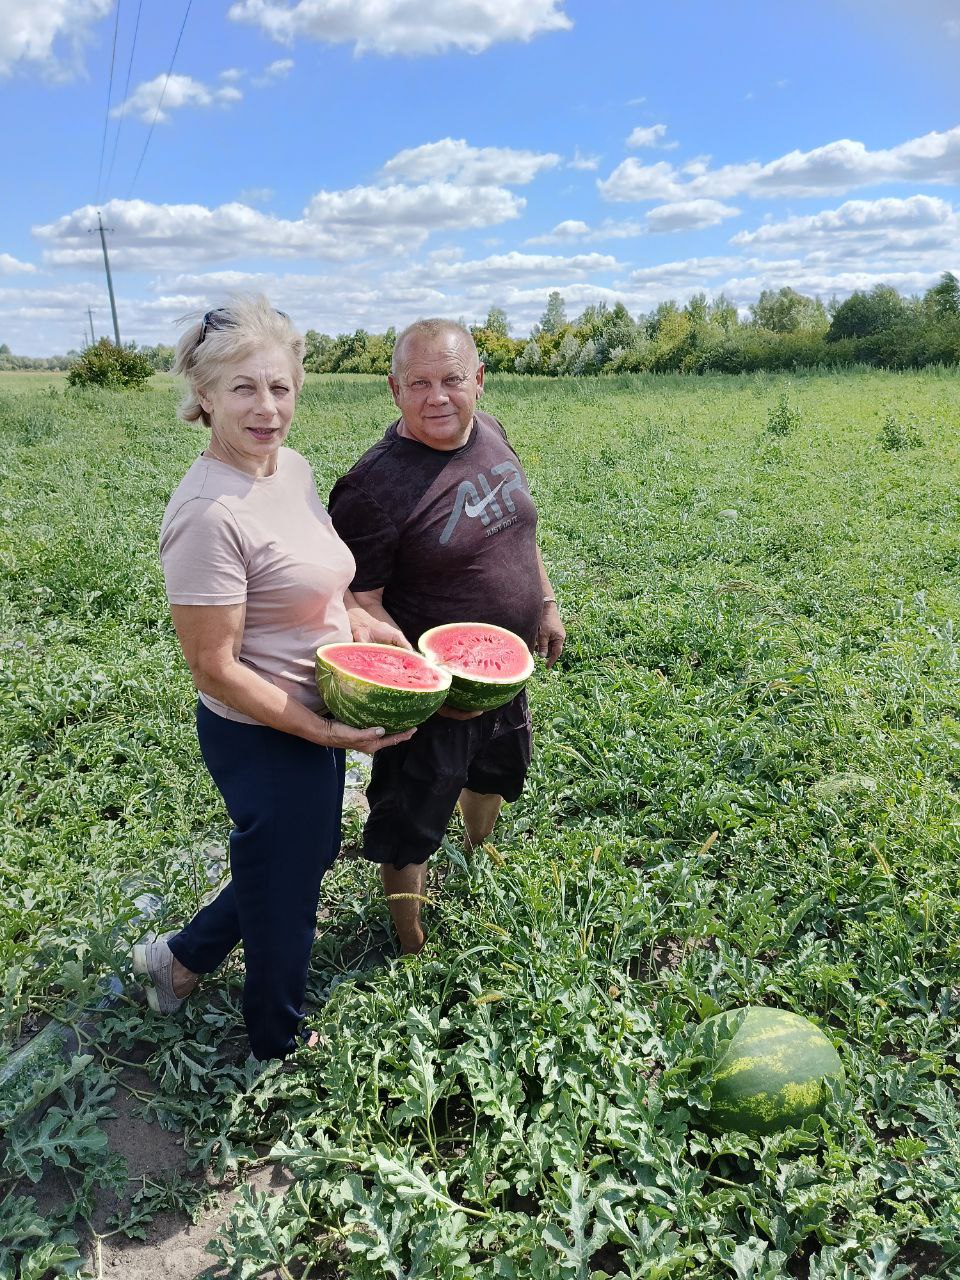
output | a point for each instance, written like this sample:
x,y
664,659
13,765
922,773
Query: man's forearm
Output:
x,y
372,603
545,586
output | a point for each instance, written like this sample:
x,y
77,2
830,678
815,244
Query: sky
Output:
x,y
366,162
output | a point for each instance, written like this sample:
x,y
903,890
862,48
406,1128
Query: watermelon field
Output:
x,y
746,792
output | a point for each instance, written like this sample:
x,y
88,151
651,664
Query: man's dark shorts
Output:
x,y
414,786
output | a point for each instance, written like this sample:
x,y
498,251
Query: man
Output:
x,y
439,517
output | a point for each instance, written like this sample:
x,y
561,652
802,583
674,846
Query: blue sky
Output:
x,y
368,161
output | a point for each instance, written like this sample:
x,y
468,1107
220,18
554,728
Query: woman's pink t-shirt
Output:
x,y
228,538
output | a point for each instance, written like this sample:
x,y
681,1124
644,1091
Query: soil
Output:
x,y
175,1247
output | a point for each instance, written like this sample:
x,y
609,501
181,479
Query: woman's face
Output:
x,y
250,409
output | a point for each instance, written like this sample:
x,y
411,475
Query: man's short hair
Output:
x,y
434,327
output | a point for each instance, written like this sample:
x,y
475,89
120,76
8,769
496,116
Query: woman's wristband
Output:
x,y
549,599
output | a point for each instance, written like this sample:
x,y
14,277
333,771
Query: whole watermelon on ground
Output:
x,y
772,1069
365,685
489,665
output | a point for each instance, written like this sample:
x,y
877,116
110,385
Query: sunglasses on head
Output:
x,y
221,318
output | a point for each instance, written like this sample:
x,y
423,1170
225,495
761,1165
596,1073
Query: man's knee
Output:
x,y
480,813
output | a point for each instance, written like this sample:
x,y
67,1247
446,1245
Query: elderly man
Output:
x,y
439,517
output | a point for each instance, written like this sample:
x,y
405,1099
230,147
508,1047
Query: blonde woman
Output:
x,y
257,578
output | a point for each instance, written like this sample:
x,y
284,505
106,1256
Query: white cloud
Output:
x,y
456,160
158,97
401,27
825,282
582,161
509,268
828,170
45,320
415,210
952,28
232,74
696,167
689,215
878,228
36,33
44,299
906,243
566,232
331,303
363,295
572,230
11,266
651,136
338,225
633,181
688,271
279,69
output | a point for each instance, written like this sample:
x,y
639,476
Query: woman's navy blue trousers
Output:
x,y
284,796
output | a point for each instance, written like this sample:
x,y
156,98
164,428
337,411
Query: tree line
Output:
x,y
785,330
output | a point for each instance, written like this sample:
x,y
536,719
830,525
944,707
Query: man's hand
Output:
x,y
551,633
366,629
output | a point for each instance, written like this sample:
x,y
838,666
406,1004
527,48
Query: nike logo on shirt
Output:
x,y
474,509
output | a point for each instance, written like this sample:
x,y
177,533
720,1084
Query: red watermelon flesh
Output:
x,y
365,685
489,665
385,665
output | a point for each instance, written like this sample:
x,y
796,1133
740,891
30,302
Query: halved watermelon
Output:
x,y
771,1070
365,685
489,665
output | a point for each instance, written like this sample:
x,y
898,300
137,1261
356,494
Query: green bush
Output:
x,y
107,365
784,418
896,435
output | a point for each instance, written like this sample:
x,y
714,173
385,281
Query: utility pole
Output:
x,y
106,263
93,337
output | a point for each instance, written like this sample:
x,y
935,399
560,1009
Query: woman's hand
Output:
x,y
369,741
366,629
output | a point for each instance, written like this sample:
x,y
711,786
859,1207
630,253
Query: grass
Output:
x,y
745,791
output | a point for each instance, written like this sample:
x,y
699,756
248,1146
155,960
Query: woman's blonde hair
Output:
x,y
222,336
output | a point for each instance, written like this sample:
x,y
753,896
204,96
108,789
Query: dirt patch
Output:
x,y
174,1246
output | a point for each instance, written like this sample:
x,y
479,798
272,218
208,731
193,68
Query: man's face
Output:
x,y
436,387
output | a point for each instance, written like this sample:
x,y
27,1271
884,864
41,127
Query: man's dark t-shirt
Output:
x,y
450,536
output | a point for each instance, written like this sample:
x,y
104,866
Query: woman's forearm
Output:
x,y
243,690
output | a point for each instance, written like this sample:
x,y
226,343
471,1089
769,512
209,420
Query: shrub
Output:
x,y
784,418
896,435
107,365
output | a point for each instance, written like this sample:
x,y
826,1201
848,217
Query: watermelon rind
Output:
x,y
773,1069
477,692
363,703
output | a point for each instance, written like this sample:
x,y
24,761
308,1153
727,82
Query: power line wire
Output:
x,y
106,113
126,92
160,101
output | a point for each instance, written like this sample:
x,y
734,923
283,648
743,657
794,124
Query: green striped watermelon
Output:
x,y
489,665
365,685
770,1069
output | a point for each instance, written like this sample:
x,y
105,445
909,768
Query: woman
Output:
x,y
257,578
